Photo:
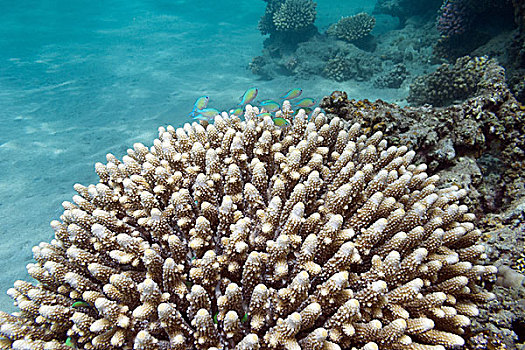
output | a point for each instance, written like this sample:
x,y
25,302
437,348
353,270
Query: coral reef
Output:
x,y
404,9
450,83
338,68
478,144
372,61
244,235
465,25
353,27
288,22
503,234
392,79
294,15
453,18
343,67
459,16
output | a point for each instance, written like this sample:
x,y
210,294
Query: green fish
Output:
x,y
294,93
215,318
80,304
244,318
270,105
306,102
306,110
248,96
206,114
280,122
201,103
237,111
70,343
264,114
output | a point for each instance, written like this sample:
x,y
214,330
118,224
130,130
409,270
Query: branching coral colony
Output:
x,y
244,235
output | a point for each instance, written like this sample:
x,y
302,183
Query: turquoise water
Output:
x,y
79,79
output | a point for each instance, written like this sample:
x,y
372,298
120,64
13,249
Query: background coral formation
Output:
x,y
427,33
353,27
244,235
288,22
451,83
405,9
294,15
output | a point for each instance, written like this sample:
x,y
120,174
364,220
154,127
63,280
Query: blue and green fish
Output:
x,y
305,103
206,114
248,96
264,114
280,122
200,103
294,93
270,105
236,111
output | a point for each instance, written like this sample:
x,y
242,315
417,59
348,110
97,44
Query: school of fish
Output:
x,y
201,111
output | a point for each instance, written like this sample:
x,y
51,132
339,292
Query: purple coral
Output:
x,y
453,19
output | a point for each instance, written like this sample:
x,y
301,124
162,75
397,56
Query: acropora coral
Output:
x,y
353,27
294,15
245,235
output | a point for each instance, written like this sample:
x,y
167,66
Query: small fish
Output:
x,y
264,114
80,304
244,318
270,105
294,93
280,122
206,114
70,343
307,110
200,103
305,102
237,111
248,96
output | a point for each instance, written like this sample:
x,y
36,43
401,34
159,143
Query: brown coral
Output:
x,y
244,235
294,15
353,27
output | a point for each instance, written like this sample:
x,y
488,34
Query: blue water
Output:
x,y
80,79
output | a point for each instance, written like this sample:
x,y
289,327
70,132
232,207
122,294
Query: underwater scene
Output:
x,y
263,174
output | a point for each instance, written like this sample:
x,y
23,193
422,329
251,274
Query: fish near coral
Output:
x,y
248,96
264,114
293,93
200,103
305,103
280,122
270,105
236,111
207,114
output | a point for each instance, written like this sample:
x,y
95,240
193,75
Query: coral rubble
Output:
x,y
244,235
